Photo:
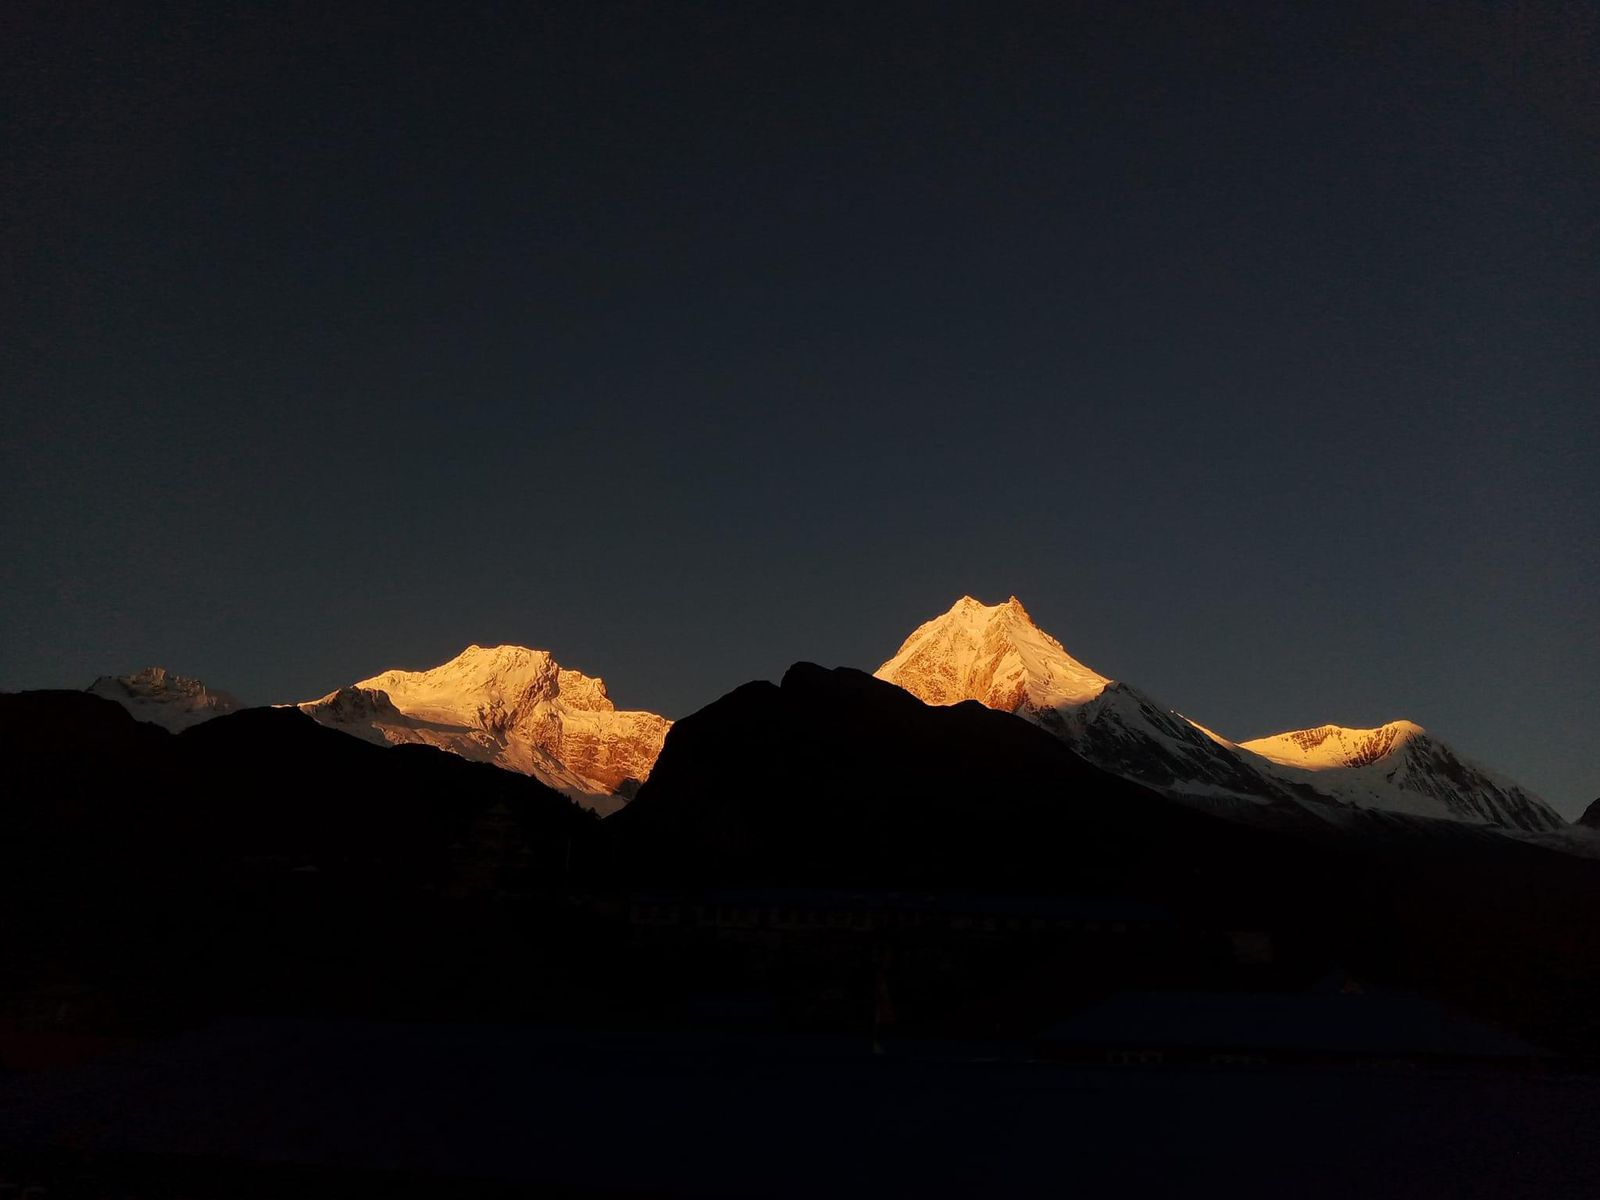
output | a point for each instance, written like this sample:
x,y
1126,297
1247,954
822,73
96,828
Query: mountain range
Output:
x,y
519,709
292,856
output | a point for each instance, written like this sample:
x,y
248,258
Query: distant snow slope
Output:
x,y
996,655
171,701
1400,767
511,706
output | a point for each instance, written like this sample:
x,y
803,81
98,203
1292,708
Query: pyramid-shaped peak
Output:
x,y
992,653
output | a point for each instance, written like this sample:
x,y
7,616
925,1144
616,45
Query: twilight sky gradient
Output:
x,y
1258,351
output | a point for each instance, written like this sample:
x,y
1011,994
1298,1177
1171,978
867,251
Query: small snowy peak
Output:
x,y
512,706
154,694
1327,747
993,654
1400,767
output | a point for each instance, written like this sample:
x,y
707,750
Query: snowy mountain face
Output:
x,y
511,706
1399,767
996,655
171,701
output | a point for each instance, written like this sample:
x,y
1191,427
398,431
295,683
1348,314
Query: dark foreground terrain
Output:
x,y
252,1108
840,943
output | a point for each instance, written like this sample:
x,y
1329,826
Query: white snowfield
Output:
x,y
996,655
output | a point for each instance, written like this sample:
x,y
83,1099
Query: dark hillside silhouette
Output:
x,y
258,860
263,862
836,777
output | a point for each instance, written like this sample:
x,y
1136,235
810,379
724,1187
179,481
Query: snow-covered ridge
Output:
x,y
996,655
1400,767
514,707
172,701
1331,746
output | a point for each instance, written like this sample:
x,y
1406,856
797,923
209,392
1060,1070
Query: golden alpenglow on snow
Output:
x,y
511,706
996,655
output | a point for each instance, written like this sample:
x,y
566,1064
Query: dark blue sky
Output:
x,y
1258,351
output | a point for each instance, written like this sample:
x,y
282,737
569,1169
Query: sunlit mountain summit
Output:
x,y
996,655
1401,767
512,706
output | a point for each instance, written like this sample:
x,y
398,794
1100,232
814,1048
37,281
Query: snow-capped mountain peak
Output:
x,y
512,706
154,694
994,654
499,681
